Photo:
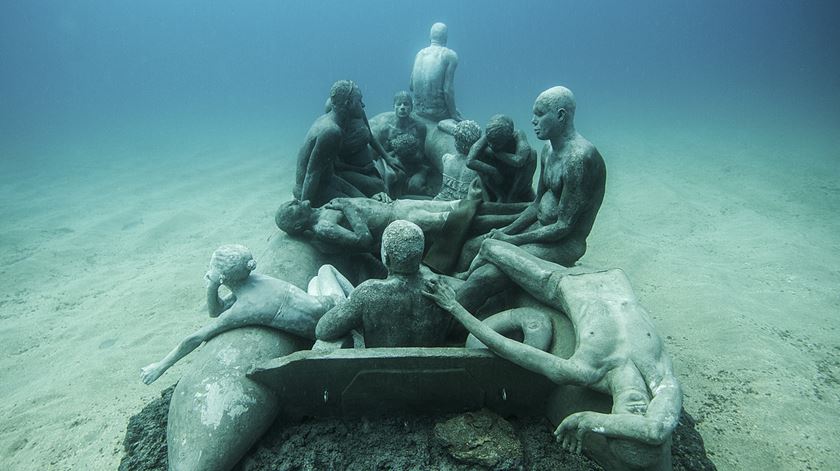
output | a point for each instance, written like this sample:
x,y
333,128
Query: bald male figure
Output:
x,y
570,191
392,312
433,78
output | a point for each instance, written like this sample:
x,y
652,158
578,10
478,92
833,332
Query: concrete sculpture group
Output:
x,y
432,219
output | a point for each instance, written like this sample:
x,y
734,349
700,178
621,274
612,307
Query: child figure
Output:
x,y
457,177
256,300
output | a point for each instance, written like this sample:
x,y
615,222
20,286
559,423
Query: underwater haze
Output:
x,y
136,137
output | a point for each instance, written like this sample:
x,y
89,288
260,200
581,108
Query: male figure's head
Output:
x,y
439,34
554,113
403,104
499,132
293,217
231,264
402,247
346,99
466,134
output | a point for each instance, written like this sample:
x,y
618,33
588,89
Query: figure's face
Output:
x,y
402,108
357,106
547,122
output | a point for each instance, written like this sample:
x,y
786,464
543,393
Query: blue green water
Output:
x,y
90,76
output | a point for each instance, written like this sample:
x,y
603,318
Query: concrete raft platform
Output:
x,y
384,381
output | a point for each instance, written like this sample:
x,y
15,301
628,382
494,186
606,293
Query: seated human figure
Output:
x,y
392,312
387,126
617,349
415,181
354,225
457,177
256,300
505,162
335,159
433,77
570,191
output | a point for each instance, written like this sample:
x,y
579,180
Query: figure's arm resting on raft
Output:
x,y
558,370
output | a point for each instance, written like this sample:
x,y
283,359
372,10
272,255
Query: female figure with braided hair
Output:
x,y
256,300
335,159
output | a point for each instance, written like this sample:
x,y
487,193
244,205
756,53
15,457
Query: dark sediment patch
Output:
x,y
407,443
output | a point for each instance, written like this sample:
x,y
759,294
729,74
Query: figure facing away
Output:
x,y
335,159
256,300
617,352
433,78
458,178
570,191
505,162
355,225
392,312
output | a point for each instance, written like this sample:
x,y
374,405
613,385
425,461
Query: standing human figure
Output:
x,y
570,191
433,78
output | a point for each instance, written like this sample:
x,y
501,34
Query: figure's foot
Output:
x,y
151,372
463,275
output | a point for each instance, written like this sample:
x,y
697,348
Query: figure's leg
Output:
x,y
523,268
329,282
152,372
483,283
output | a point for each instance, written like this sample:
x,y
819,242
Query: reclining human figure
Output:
x,y
256,300
617,349
354,225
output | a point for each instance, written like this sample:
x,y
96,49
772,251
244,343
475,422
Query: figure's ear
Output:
x,y
561,114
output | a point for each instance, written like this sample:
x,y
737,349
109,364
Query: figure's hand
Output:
x,y
394,163
336,204
382,197
441,293
213,279
150,373
572,430
498,234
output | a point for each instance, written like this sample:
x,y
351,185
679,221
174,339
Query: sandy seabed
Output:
x,y
735,250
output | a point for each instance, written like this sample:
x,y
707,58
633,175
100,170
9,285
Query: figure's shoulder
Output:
x,y
371,291
449,54
325,127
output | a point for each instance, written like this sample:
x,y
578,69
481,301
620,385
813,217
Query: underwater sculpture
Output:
x,y
433,78
570,191
354,225
256,300
335,159
505,162
392,312
617,352
217,413
457,176
394,130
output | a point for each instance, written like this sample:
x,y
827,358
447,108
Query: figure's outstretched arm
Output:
x,y
231,320
558,370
